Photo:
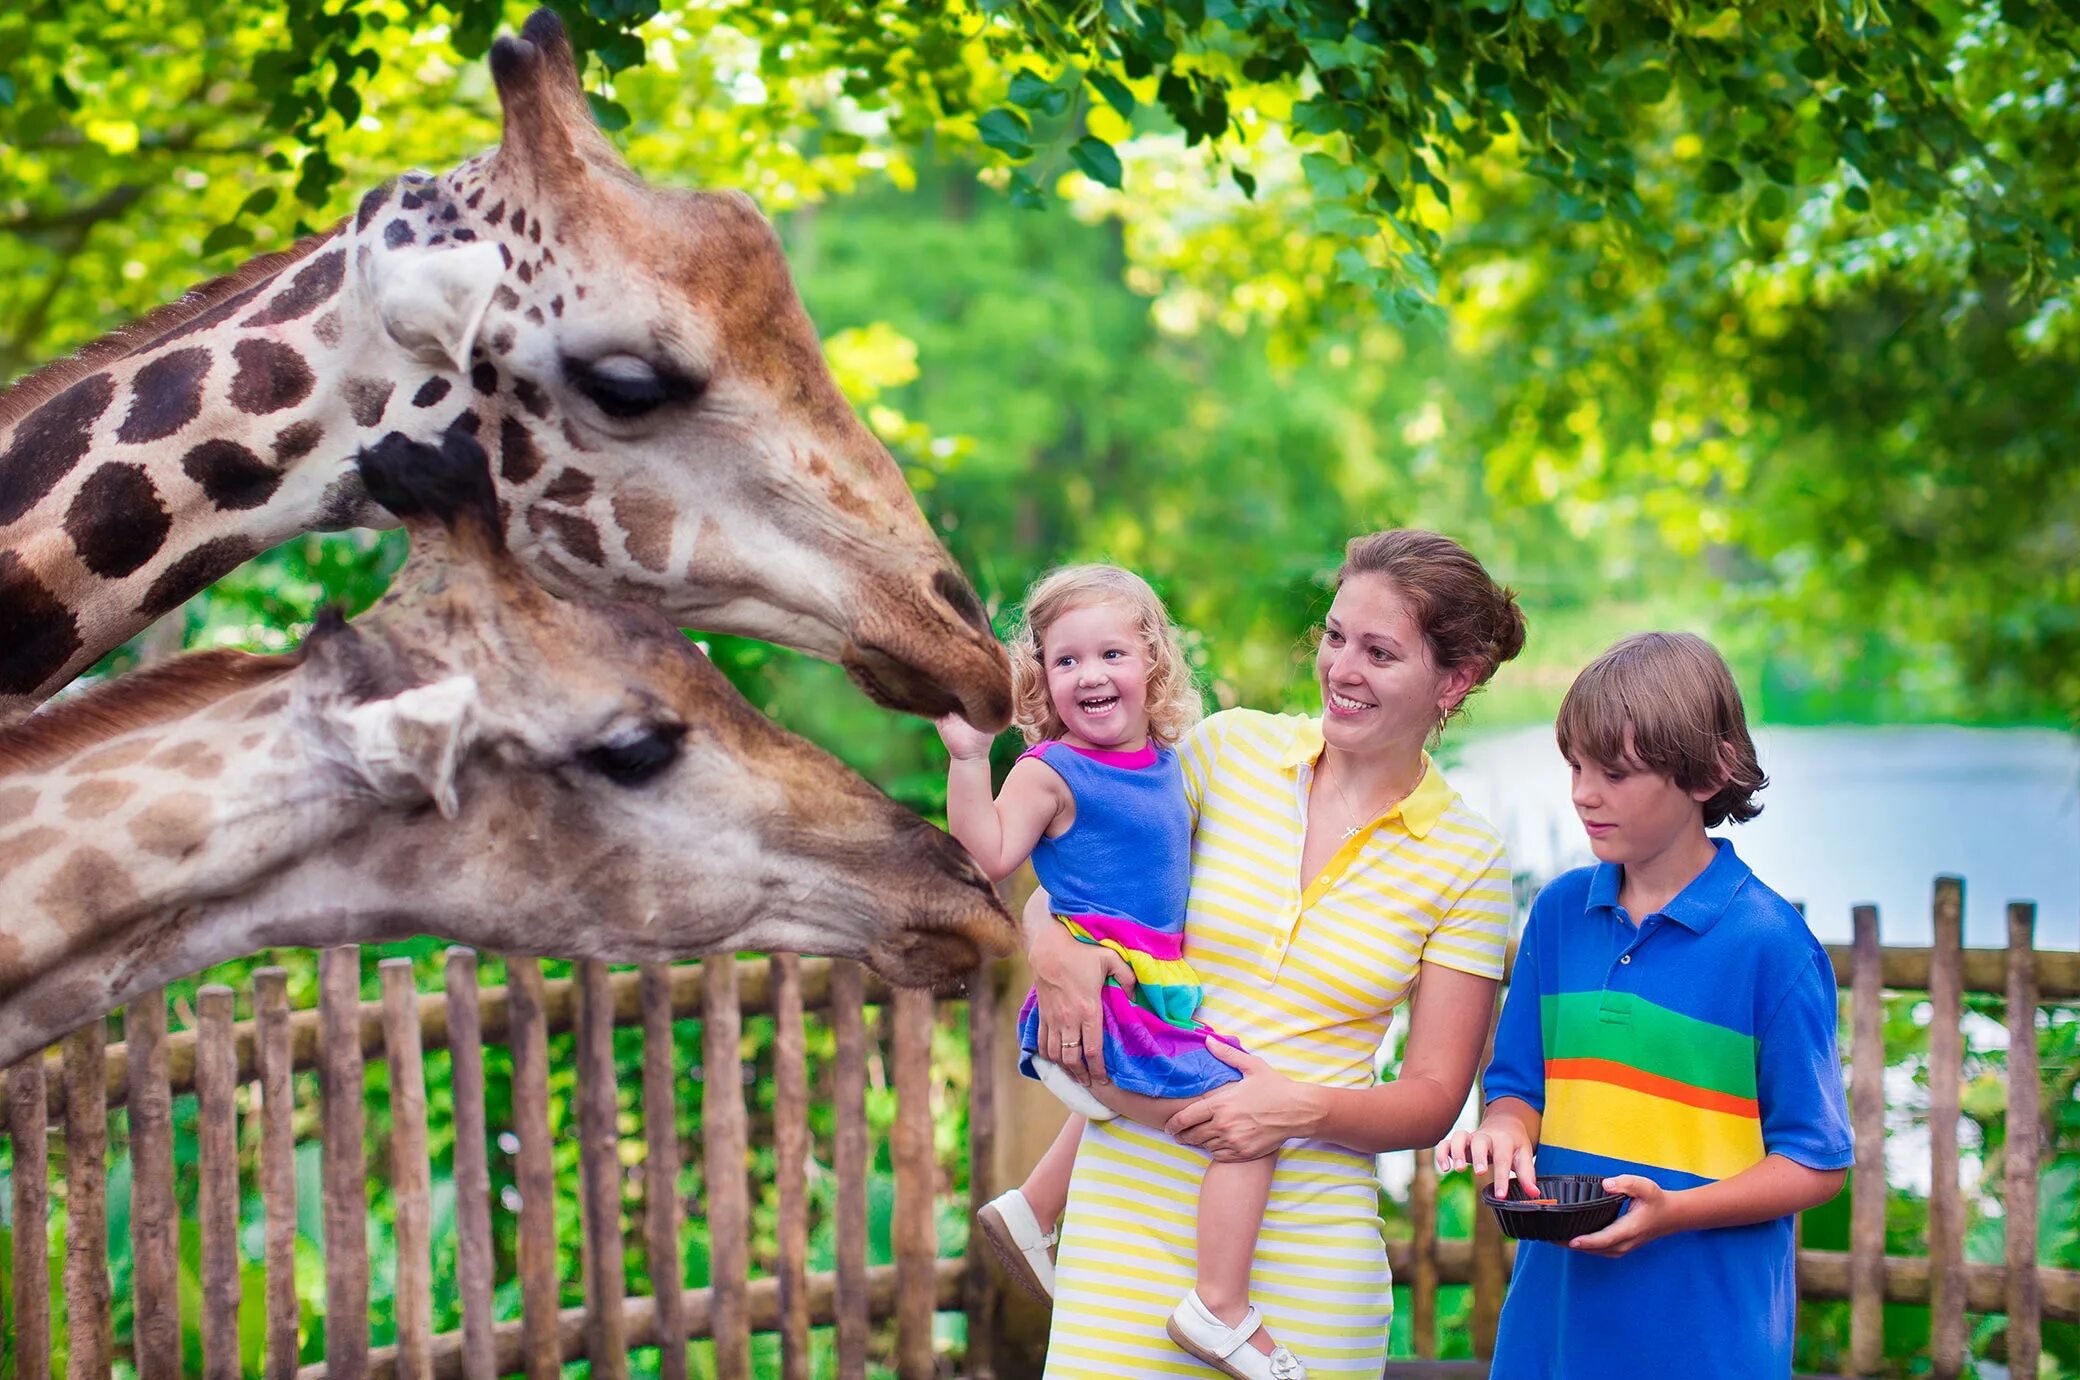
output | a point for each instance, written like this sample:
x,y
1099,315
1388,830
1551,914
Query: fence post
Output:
x,y
2025,1300
661,1169
1867,1119
791,1164
410,1176
277,1165
722,1125
155,1328
533,1175
849,1165
89,1327
599,1175
28,1122
216,1080
473,1267
979,1288
911,1151
345,1172
1945,1078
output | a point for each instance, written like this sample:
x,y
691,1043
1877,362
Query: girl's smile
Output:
x,y
1097,676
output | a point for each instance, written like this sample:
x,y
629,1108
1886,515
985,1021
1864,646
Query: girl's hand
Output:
x,y
1499,1143
1246,1120
1069,981
1648,1217
964,742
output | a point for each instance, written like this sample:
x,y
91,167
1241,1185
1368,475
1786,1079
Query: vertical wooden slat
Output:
x,y
410,1189
534,1177
28,1123
1422,1275
155,1329
914,1230
472,1169
345,1169
1490,1274
1867,1120
849,1164
791,1147
599,1174
979,1288
2025,1299
216,1112
277,1165
89,1326
661,1170
1945,1078
729,1208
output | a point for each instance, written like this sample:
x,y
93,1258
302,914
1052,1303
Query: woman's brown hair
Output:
x,y
1465,617
1672,694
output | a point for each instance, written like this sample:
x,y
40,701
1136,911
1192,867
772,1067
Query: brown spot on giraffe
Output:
x,y
578,536
197,570
16,802
165,396
518,458
268,705
570,487
233,476
190,759
38,634
94,798
646,521
173,827
326,328
27,846
116,520
484,376
431,392
127,753
372,203
49,442
88,886
530,395
11,967
367,398
315,284
297,440
270,377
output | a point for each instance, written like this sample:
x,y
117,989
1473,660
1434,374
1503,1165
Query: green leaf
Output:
x,y
229,235
1720,177
611,115
1772,203
1810,63
260,202
1246,181
1114,91
1857,200
62,92
1651,85
1006,131
346,101
1025,192
1096,159
1029,89
6,90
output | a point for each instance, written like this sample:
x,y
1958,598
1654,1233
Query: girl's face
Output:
x,y
1380,686
1097,676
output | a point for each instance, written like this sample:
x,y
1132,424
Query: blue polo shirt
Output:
x,y
1683,1048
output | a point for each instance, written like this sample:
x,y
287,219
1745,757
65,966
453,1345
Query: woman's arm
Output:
x,y
1069,983
1254,1117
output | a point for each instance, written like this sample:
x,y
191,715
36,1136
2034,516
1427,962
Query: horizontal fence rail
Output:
x,y
519,1316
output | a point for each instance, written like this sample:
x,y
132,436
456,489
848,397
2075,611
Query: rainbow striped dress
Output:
x,y
1119,876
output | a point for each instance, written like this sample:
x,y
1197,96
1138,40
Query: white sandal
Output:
x,y
1194,1327
1010,1227
1070,1093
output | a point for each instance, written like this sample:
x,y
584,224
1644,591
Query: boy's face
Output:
x,y
1633,813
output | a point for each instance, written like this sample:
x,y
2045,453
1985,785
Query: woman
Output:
x,y
1331,868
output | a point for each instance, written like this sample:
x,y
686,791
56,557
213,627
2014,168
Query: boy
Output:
x,y
1670,1025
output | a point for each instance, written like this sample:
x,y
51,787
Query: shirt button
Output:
x,y
1626,959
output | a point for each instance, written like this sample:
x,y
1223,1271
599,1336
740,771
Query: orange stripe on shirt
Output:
x,y
1653,1084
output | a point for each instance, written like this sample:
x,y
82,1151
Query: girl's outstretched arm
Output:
x,y
999,834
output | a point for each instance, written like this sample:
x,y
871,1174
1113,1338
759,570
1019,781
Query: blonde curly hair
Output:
x,y
1173,695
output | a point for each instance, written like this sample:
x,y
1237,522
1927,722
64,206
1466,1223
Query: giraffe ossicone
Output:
x,y
473,758
636,359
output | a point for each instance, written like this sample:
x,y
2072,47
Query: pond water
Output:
x,y
1851,815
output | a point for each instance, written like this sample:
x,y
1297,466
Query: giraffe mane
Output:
x,y
152,695
33,390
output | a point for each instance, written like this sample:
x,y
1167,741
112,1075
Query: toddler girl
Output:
x,y
1098,803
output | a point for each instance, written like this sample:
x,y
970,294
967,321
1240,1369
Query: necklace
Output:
x,y
1358,821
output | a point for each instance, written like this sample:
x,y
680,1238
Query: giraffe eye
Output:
x,y
626,387
632,761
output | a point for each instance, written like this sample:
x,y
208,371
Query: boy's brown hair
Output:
x,y
1672,693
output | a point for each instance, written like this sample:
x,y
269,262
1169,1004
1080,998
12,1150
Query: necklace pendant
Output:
x,y
1351,832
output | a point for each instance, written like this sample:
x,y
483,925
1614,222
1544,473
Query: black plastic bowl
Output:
x,y
1578,1205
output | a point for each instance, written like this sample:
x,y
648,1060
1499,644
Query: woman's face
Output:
x,y
1380,686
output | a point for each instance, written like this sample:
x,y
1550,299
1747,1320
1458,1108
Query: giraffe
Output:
x,y
637,360
475,758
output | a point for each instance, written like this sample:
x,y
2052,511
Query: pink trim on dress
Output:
x,y
1144,756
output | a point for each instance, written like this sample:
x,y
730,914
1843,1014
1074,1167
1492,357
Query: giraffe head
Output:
x,y
664,423
474,758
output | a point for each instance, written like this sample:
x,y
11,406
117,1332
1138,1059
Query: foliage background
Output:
x,y
1755,319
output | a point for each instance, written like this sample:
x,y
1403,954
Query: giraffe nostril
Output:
x,y
949,586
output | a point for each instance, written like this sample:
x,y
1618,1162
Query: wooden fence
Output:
x,y
80,1084
1007,1116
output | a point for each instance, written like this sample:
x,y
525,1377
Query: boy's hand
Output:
x,y
1648,1217
1500,1144
964,742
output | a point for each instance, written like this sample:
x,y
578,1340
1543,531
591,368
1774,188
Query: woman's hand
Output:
x,y
1069,982
1249,1119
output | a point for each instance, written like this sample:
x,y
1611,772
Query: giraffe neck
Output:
x,y
165,467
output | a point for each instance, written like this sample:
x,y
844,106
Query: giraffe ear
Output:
x,y
407,746
432,301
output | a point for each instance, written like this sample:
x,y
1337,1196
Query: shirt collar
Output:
x,y
1698,906
1418,811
